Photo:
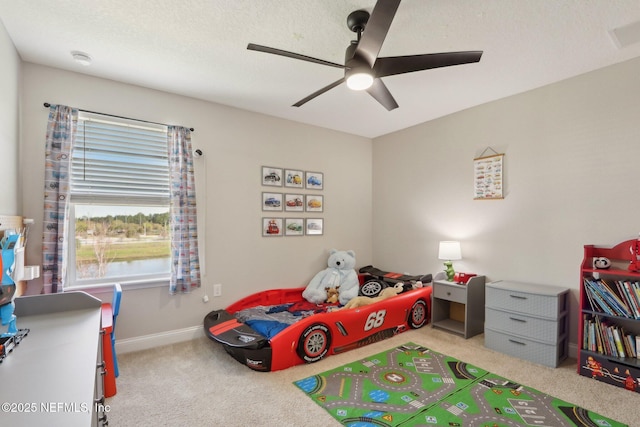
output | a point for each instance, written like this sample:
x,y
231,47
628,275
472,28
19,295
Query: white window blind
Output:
x,y
119,162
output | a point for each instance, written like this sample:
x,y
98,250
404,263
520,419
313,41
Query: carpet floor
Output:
x,y
196,383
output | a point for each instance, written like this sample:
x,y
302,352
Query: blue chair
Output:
x,y
115,307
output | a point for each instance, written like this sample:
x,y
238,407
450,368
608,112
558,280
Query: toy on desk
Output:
x,y
449,270
463,278
13,336
601,263
333,294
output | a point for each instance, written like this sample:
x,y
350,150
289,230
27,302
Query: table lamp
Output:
x,y
449,251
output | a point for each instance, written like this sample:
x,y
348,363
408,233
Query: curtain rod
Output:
x,y
46,104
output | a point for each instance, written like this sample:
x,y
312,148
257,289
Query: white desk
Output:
x,y
51,377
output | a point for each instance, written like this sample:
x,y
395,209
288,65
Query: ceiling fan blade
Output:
x,y
392,65
381,94
318,92
293,55
376,30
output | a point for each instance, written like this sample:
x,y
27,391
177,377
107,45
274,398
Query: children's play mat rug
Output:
x,y
413,386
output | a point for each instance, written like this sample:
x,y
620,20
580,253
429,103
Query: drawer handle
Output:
x,y
448,293
515,319
517,297
516,342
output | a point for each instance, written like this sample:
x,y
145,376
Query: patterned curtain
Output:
x,y
61,133
185,265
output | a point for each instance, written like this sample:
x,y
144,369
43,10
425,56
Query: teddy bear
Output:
x,y
340,272
332,294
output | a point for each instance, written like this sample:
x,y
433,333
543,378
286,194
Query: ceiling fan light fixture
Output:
x,y
359,80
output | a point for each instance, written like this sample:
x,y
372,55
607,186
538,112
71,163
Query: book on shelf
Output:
x,y
626,290
602,297
607,338
618,340
633,289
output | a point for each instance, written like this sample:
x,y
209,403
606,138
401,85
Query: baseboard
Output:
x,y
145,342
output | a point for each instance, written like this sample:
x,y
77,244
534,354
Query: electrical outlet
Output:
x,y
217,289
205,298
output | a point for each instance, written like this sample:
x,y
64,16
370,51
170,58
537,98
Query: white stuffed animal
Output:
x,y
340,272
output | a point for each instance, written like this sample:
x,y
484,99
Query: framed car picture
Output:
x,y
314,180
293,178
271,227
294,202
271,176
294,227
314,203
271,201
314,226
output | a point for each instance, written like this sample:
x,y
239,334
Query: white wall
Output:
x,y
571,166
9,124
236,144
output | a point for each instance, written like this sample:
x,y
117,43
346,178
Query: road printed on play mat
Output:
x,y
412,385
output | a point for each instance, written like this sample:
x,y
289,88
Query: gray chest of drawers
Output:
x,y
527,321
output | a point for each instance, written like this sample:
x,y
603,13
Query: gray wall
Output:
x,y
9,125
570,170
236,144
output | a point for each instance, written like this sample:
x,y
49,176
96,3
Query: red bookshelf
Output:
x,y
609,321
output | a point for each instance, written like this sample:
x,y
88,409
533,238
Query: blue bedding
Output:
x,y
268,321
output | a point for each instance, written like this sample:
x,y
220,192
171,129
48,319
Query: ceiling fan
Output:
x,y
362,66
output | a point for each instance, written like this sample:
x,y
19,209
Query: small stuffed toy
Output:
x,y
332,294
389,292
340,272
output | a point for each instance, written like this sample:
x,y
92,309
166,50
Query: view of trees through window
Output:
x,y
111,244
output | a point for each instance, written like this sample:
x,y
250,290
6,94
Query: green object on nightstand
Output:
x,y
449,270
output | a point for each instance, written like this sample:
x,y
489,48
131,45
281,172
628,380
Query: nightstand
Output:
x,y
459,308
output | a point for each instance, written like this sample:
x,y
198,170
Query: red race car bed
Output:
x,y
277,328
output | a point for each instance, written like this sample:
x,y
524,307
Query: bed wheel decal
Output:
x,y
314,343
419,314
372,288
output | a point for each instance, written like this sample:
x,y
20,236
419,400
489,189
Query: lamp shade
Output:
x,y
449,251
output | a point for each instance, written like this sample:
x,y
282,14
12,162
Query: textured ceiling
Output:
x,y
198,48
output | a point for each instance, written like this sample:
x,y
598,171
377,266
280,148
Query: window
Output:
x,y
119,202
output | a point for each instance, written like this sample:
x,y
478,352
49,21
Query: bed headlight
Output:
x,y
246,338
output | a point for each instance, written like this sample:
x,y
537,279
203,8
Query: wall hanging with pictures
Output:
x,y
271,201
271,227
314,180
315,203
272,176
294,202
293,178
488,176
315,226
294,226
305,200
